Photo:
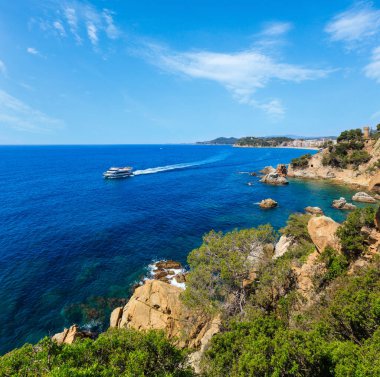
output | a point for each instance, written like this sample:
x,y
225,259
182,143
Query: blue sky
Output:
x,y
168,71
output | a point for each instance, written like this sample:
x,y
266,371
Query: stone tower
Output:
x,y
366,132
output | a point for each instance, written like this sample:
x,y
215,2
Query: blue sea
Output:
x,y
73,244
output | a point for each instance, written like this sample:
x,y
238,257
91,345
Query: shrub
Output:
x,y
301,162
296,227
353,241
264,347
350,135
336,265
219,266
274,282
358,157
114,353
352,311
341,339
347,151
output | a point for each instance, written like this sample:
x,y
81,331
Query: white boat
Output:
x,y
116,173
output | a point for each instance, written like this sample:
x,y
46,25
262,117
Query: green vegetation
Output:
x,y
348,152
270,326
273,335
220,141
251,141
336,265
338,336
352,238
296,227
301,162
351,136
220,265
374,167
114,353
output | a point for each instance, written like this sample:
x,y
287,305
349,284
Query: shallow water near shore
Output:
x,y
72,244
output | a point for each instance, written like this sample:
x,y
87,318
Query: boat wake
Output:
x,y
160,169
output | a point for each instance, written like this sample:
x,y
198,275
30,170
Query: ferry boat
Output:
x,y
116,173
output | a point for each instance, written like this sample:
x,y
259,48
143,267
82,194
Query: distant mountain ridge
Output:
x,y
220,141
261,139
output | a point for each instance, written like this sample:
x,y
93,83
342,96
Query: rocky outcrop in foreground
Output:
x,y
70,335
322,231
156,305
283,245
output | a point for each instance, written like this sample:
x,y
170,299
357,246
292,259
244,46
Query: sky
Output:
x,y
180,71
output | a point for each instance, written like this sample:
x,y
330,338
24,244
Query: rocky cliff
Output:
x,y
157,305
366,175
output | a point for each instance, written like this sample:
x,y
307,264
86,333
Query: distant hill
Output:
x,y
251,141
263,141
220,141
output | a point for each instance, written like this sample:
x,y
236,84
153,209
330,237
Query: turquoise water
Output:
x,y
72,244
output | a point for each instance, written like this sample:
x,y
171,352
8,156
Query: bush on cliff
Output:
x,y
337,336
114,353
351,135
301,162
219,266
347,152
296,227
353,241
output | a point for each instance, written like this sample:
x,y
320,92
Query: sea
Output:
x,y
73,245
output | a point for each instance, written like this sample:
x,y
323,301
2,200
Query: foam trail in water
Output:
x,y
185,165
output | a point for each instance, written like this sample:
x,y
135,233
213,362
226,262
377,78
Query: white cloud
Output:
x,y
3,68
111,30
274,29
59,27
356,24
92,33
81,21
18,115
242,73
72,20
372,70
32,51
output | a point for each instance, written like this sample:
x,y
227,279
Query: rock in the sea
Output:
x,y
268,203
169,264
341,203
282,170
181,278
363,197
169,272
322,231
70,335
377,196
282,246
267,170
314,210
274,179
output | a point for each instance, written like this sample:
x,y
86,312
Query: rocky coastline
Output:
x,y
360,177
